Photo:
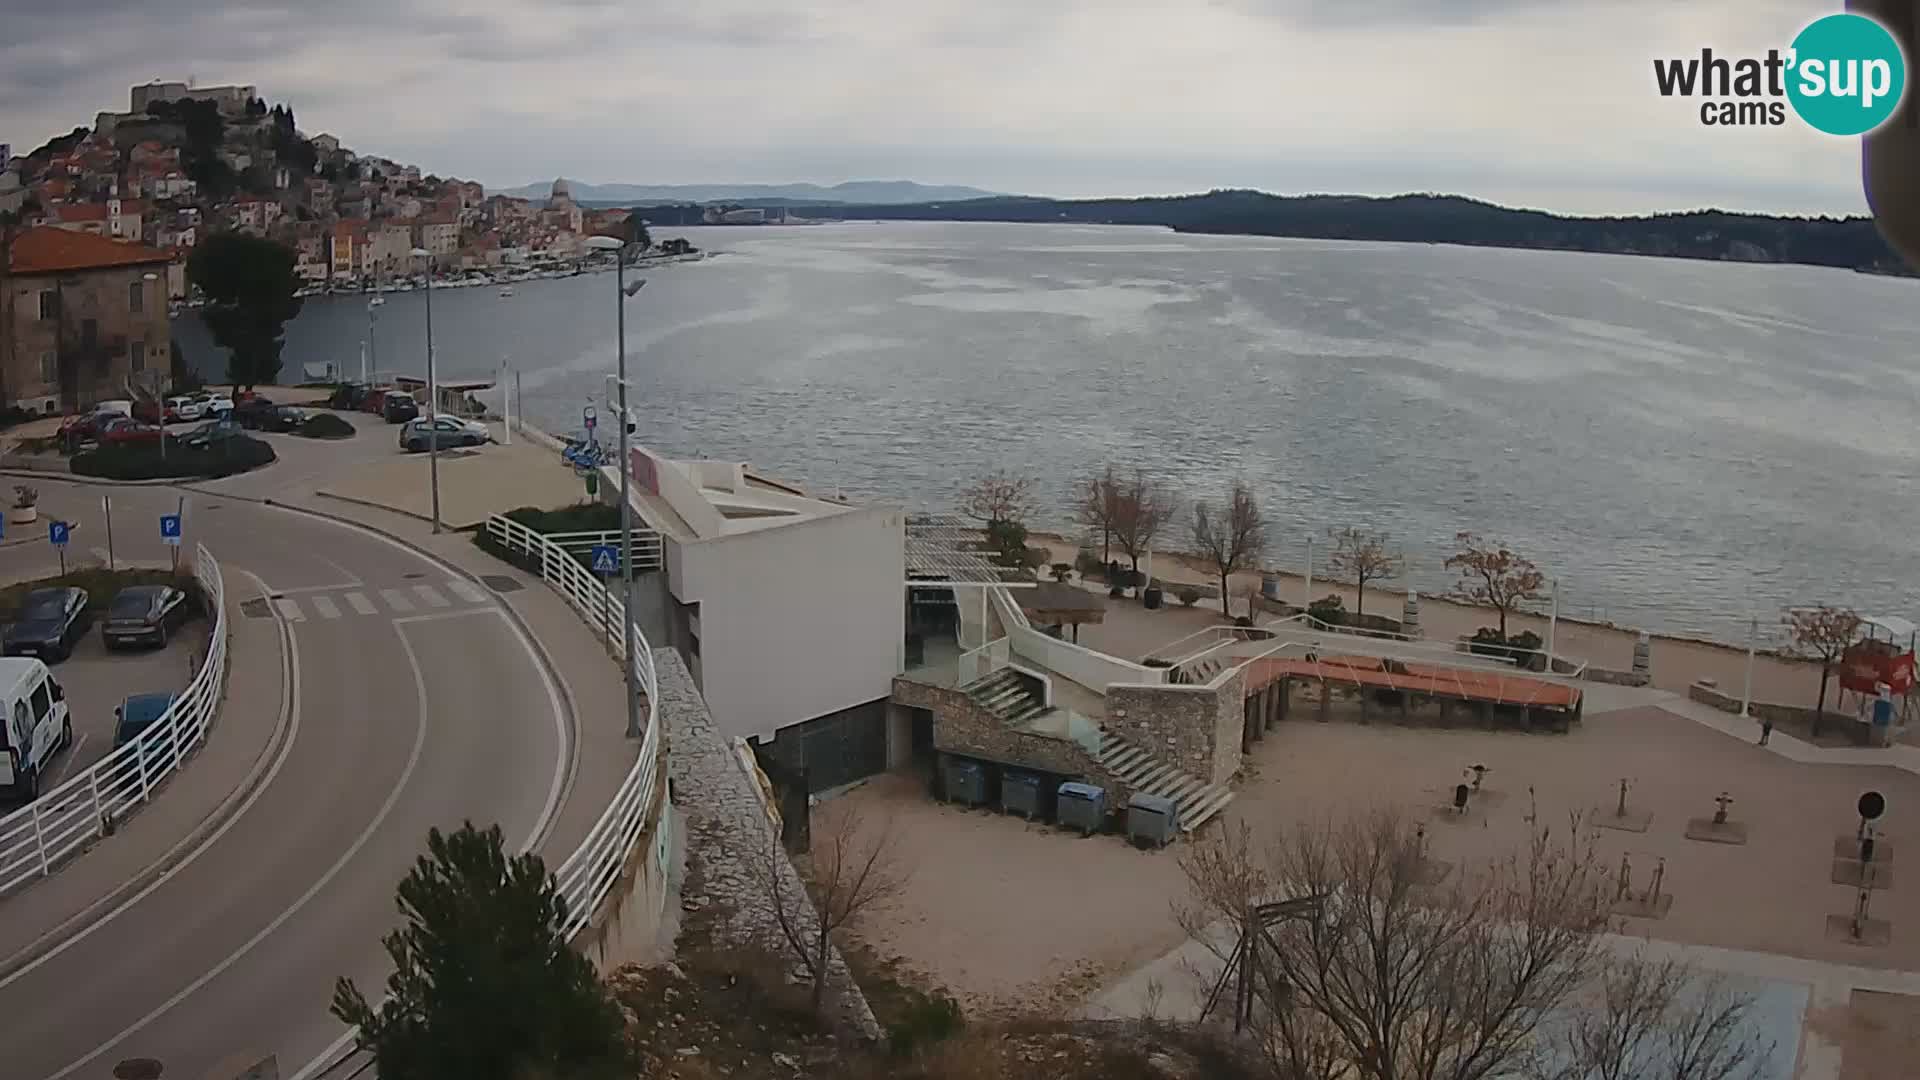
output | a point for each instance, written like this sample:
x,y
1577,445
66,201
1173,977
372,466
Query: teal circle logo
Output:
x,y
1847,76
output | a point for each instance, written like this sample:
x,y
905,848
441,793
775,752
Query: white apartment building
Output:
x,y
789,609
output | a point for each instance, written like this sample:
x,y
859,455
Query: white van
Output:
x,y
34,725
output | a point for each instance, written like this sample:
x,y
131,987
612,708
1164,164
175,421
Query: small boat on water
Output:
x,y
506,292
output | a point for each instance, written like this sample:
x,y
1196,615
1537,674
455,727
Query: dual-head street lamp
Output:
x,y
622,292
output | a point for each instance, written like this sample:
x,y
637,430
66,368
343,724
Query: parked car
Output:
x,y
184,407
348,396
453,431
143,614
217,404
399,407
248,413
281,418
136,714
211,432
116,407
50,621
126,431
40,726
79,429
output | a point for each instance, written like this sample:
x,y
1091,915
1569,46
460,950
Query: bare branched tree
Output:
x,y
1361,555
853,870
1822,633
1655,1019
998,498
1099,497
1142,507
1230,540
1492,575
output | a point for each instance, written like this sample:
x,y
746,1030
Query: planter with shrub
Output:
x,y
1329,609
145,461
325,425
26,505
1061,571
1188,595
1087,564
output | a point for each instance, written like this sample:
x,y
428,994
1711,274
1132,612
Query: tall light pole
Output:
x,y
621,293
433,397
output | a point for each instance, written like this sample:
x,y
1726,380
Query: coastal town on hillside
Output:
x,y
186,161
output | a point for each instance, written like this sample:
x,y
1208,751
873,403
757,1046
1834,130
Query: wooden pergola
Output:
x,y
1053,603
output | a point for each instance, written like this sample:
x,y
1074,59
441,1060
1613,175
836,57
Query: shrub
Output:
x,y
1034,558
1189,595
1088,564
1487,641
326,426
224,457
926,1020
1008,542
1329,609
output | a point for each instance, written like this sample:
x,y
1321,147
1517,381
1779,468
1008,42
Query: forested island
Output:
x,y
1852,243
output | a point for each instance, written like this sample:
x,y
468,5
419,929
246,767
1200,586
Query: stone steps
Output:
x,y
1197,799
1006,695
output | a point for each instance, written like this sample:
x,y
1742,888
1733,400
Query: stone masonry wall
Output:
x,y
728,825
1196,729
961,727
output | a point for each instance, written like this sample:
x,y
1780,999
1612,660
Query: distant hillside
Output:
x,y
1852,242
876,192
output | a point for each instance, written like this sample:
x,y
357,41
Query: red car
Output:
x,y
123,430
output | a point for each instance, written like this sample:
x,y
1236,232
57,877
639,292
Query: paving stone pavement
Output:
x,y
728,826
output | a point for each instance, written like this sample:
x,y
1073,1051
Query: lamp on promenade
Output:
x,y
622,292
433,397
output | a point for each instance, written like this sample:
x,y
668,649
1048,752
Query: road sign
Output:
x,y
58,532
605,559
588,416
170,529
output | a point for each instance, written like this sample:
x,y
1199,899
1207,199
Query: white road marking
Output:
x,y
442,616
305,589
325,606
360,604
395,600
466,590
431,597
289,609
393,797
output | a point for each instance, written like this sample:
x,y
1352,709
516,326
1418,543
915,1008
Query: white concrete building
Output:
x,y
787,607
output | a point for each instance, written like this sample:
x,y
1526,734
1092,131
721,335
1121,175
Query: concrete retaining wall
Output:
x,y
1779,714
961,727
1196,729
636,925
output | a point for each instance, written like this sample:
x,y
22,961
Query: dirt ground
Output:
x,y
1878,1035
999,911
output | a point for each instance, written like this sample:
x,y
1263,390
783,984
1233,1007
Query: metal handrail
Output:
x,y
592,870
36,837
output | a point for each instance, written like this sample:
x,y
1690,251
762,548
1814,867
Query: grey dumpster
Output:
x,y
1083,807
1152,820
966,782
1020,794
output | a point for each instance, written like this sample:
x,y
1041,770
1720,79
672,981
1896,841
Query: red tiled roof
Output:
x,y
81,212
48,250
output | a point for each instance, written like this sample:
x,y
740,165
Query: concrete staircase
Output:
x,y
1199,672
1198,800
1008,696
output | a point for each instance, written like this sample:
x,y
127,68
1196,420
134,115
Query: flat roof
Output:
x,y
939,550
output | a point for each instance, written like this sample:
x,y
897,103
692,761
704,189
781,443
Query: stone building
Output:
x,y
80,315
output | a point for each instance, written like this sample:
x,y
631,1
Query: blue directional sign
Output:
x,y
170,529
57,533
605,559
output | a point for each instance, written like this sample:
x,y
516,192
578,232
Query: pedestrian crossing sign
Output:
x,y
605,559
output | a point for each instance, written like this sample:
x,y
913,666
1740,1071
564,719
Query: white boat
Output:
x,y
506,291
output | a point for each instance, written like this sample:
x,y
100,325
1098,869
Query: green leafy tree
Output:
x,y
249,284
637,234
484,987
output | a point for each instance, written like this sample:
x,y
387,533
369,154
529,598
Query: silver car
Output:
x,y
452,431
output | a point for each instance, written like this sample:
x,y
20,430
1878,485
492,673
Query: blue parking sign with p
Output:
x,y
57,533
605,559
170,529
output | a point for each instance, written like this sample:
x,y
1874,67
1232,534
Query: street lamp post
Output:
x,y
621,294
433,397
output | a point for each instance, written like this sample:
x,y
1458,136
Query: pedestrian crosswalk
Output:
x,y
325,605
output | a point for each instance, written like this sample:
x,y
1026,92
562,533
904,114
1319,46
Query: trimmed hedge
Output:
x,y
225,457
322,425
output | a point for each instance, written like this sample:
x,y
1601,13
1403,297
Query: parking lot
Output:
x,y
97,681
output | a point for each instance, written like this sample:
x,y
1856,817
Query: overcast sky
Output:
x,y
1540,103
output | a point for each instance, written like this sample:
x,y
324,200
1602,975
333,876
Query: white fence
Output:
x,y
976,664
646,545
589,874
1094,670
36,837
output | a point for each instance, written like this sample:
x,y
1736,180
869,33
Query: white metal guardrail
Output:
x,y
589,874
36,837
646,545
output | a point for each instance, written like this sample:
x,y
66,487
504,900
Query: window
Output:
x,y
137,354
49,304
137,299
42,701
49,367
22,729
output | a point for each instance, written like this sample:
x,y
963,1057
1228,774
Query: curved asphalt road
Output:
x,y
424,711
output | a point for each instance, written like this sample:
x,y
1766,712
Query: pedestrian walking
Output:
x,y
1766,730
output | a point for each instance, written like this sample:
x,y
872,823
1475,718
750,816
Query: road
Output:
x,y
414,702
